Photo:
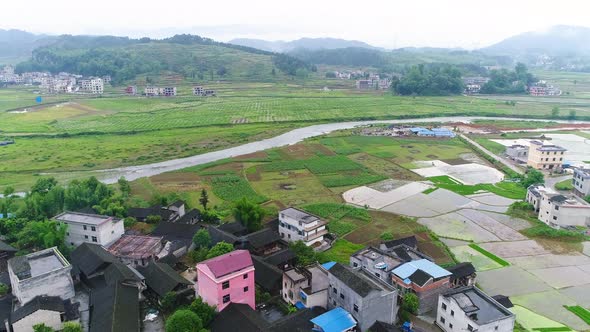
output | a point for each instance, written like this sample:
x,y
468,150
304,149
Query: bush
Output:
x,y
411,303
153,219
3,289
386,236
184,321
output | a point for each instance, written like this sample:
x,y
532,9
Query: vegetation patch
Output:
x,y
505,189
429,190
564,185
489,254
581,312
340,252
341,180
337,211
552,329
233,188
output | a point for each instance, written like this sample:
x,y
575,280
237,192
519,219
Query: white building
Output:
x,y
295,225
559,211
93,228
151,91
470,309
535,194
45,272
581,182
49,310
94,85
306,287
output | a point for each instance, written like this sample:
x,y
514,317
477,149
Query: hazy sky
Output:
x,y
386,23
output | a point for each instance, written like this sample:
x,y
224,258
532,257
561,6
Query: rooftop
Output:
x,y
462,270
584,172
115,308
541,146
478,306
299,215
37,263
84,218
229,263
410,241
360,283
89,258
335,320
136,246
50,303
407,269
162,278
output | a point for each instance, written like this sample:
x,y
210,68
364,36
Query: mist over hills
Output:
x,y
302,43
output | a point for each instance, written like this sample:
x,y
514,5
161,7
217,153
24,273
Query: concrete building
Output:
x,y
136,250
151,91
545,156
200,91
169,91
227,279
559,211
295,225
470,309
368,299
535,193
306,287
94,85
49,310
93,228
518,152
423,278
131,90
45,272
581,182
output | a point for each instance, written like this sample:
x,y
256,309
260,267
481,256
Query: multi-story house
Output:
x,y
169,91
518,152
367,298
581,182
545,156
93,228
151,91
535,194
45,272
94,85
423,278
131,90
559,211
306,287
297,225
470,309
227,279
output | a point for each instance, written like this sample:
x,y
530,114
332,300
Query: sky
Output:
x,y
385,23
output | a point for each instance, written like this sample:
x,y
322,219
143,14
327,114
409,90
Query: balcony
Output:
x,y
315,235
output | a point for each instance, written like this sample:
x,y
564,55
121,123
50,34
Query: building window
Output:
x,y
496,327
452,313
94,239
246,289
226,298
333,303
356,308
377,275
85,228
353,264
335,291
556,207
86,237
554,217
444,306
68,233
225,285
289,236
442,319
450,325
469,327
245,276
342,296
92,228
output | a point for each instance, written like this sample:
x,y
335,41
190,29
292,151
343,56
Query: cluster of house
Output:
x,y
373,82
473,84
169,91
55,84
559,210
110,273
400,131
349,75
542,88
538,155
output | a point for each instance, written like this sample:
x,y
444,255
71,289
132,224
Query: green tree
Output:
x,y
249,214
203,310
169,302
198,255
221,248
410,303
204,199
532,176
42,328
572,115
386,236
305,254
124,187
8,201
71,327
202,239
43,235
184,321
555,112
153,219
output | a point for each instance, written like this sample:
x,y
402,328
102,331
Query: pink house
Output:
x,y
227,279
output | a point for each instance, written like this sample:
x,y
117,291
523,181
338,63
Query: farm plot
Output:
x,y
515,249
530,320
456,226
580,294
510,281
377,199
563,276
490,224
479,261
233,188
469,174
551,305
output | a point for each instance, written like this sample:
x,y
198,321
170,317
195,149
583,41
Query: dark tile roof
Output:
x,y
161,278
6,247
119,272
114,308
383,327
20,266
5,309
89,258
143,213
174,231
420,277
177,204
503,300
238,315
262,238
558,199
461,270
193,215
402,253
299,321
353,279
266,275
410,241
50,303
280,257
235,228
219,235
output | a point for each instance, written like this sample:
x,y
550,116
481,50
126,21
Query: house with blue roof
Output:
x,y
335,320
423,278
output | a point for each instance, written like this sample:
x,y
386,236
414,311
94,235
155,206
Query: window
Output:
x,y
86,237
377,275
496,327
450,325
245,276
94,239
225,285
342,296
453,313
85,228
68,233
335,291
554,217
334,303
442,319
289,236
469,327
92,228
246,289
444,306
556,207
226,298
353,264
356,308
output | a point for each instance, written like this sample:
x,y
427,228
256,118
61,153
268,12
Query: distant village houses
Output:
x,y
200,91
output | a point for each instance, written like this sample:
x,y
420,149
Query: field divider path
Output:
x,y
492,155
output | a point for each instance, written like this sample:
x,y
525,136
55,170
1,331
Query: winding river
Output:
x,y
291,137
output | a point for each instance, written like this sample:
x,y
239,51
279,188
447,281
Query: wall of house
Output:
x,y
544,159
533,200
564,216
105,233
55,283
212,292
110,232
317,299
290,291
459,321
581,183
290,230
49,318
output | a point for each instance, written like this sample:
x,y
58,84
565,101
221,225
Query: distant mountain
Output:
x,y
303,43
558,40
18,43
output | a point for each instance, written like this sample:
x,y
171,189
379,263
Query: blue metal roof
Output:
x,y
328,265
405,270
335,320
299,305
417,129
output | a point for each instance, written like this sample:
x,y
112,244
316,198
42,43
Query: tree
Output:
x,y
184,321
305,254
71,327
533,176
203,310
124,187
8,201
221,248
153,219
204,199
555,112
43,235
169,302
42,328
572,115
202,239
410,303
249,214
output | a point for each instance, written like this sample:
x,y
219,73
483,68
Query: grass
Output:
x,y
552,329
232,188
581,312
489,254
564,185
505,189
340,252
532,321
341,180
337,211
429,190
